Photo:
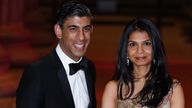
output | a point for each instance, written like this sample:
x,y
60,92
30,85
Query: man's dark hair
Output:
x,y
71,9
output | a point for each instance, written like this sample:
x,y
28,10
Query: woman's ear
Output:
x,y
58,31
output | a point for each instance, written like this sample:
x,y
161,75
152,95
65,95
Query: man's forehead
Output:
x,y
77,21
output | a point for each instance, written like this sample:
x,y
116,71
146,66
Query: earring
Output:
x,y
154,61
127,61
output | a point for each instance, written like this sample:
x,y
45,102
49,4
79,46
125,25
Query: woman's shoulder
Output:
x,y
110,92
111,85
177,98
175,83
175,80
109,95
111,88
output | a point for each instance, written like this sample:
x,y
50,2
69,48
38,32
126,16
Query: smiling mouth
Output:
x,y
79,46
140,58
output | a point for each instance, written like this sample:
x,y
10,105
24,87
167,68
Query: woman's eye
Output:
x,y
131,44
148,43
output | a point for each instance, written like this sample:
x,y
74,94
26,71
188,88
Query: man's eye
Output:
x,y
87,29
73,29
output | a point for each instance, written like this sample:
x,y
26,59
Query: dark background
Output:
x,y
26,34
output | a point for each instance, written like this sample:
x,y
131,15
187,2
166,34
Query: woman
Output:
x,y
141,79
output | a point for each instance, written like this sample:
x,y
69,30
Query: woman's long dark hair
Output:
x,y
158,81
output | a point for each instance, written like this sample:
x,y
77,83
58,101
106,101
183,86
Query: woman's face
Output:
x,y
139,48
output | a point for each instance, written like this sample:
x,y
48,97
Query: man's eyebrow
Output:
x,y
71,26
88,25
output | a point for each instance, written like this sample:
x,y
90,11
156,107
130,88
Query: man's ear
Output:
x,y
58,31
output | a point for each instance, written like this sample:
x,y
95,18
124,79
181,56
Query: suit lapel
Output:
x,y
62,76
89,80
66,87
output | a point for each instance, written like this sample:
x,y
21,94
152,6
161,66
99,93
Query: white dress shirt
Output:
x,y
77,81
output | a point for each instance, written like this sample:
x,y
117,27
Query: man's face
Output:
x,y
74,37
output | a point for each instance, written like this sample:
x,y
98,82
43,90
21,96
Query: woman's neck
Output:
x,y
140,71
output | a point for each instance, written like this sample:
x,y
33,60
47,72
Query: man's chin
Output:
x,y
79,54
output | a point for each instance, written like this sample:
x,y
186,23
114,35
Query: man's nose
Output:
x,y
81,35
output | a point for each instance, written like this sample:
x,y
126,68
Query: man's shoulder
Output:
x,y
42,61
46,62
89,61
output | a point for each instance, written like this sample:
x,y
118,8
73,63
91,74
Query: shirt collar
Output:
x,y
66,60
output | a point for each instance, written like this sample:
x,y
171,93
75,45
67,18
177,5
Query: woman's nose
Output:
x,y
139,49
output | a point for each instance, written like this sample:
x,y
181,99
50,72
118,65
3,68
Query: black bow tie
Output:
x,y
74,67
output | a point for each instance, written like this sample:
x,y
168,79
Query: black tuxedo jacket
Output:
x,y
44,84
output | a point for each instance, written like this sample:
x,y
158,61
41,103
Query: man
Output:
x,y
49,82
